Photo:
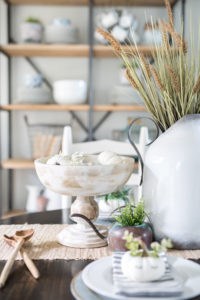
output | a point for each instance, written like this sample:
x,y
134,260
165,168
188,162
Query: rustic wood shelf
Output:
x,y
30,50
17,163
78,107
96,2
119,108
23,164
53,107
41,50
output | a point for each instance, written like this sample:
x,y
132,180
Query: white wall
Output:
x,y
105,77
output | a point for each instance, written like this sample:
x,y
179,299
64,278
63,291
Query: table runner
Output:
x,y
43,245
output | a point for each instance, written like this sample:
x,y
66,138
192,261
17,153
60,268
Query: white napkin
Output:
x,y
165,287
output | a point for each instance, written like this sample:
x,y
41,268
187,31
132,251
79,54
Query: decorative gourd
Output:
x,y
109,158
141,264
142,268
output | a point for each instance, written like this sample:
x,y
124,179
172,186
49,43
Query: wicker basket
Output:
x,y
45,139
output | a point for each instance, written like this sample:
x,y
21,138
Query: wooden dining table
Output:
x,y
56,275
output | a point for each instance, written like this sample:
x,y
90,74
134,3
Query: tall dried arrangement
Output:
x,y
170,88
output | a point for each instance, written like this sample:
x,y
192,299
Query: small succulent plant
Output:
x,y
138,248
132,215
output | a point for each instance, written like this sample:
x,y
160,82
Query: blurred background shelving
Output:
x,y
93,62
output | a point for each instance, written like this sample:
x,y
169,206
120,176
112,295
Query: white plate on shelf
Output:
x,y
101,283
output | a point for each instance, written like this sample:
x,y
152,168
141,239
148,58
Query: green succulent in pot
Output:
x,y
31,30
131,218
109,202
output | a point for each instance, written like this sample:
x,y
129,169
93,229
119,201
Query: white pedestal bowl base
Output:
x,y
82,236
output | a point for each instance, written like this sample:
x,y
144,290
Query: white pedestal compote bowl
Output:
x,y
84,181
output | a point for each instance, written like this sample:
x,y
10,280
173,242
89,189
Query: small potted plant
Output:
x,y
112,201
31,30
141,264
131,219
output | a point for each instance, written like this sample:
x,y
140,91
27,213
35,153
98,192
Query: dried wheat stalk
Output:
x,y
156,78
145,64
130,79
114,43
170,14
167,87
197,85
174,79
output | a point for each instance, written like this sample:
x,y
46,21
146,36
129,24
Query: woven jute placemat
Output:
x,y
44,245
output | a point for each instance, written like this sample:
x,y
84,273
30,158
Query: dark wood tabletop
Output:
x,y
56,275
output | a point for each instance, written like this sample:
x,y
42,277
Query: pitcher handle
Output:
x,y
134,145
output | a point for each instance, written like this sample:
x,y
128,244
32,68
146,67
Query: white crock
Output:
x,y
171,186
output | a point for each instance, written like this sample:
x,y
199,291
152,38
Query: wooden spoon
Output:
x,y
11,241
21,236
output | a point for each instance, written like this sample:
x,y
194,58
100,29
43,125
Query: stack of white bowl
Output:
x,y
33,90
70,91
61,31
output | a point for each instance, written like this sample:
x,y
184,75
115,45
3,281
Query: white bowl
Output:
x,y
70,91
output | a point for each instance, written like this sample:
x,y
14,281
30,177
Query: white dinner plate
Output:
x,y
97,276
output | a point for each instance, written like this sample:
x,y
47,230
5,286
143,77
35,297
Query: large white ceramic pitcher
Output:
x,y
171,183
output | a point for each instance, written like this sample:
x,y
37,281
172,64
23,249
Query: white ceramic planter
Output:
x,y
31,32
171,186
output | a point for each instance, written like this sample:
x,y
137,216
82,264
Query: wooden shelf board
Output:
x,y
13,213
119,108
22,163
78,107
53,107
17,163
96,2
45,50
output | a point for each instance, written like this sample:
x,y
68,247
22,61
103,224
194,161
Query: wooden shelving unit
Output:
x,y
45,50
24,164
79,107
96,2
77,50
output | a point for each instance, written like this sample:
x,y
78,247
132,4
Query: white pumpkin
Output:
x,y
109,158
142,269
